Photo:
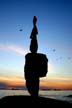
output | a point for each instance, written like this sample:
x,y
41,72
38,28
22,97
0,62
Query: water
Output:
x,y
59,95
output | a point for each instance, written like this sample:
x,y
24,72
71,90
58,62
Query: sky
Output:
x,y
54,23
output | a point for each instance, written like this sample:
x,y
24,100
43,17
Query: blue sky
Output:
x,y
54,32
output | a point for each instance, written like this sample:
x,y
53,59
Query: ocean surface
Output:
x,y
59,95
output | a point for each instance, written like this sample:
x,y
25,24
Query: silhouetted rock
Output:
x,y
36,65
28,101
33,45
32,85
33,37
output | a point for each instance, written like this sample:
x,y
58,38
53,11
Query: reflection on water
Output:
x,y
59,95
4,93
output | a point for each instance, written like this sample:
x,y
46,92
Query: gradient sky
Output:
x,y
54,39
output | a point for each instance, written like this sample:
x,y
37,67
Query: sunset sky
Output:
x,y
54,39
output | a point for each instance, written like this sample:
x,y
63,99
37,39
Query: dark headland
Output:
x,y
28,101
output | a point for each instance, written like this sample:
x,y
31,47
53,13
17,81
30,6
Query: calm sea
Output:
x,y
59,95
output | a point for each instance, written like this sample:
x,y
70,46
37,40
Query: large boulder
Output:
x,y
36,65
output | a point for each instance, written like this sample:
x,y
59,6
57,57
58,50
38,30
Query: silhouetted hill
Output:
x,y
28,101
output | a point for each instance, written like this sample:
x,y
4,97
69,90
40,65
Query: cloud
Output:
x,y
11,80
3,85
13,48
12,85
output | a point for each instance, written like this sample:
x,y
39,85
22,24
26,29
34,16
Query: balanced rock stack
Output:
x,y
36,64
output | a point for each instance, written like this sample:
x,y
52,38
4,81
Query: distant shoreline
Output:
x,y
41,89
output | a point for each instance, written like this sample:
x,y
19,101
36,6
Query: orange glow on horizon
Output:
x,y
16,83
54,84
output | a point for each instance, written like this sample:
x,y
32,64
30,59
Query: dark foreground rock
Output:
x,y
28,101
